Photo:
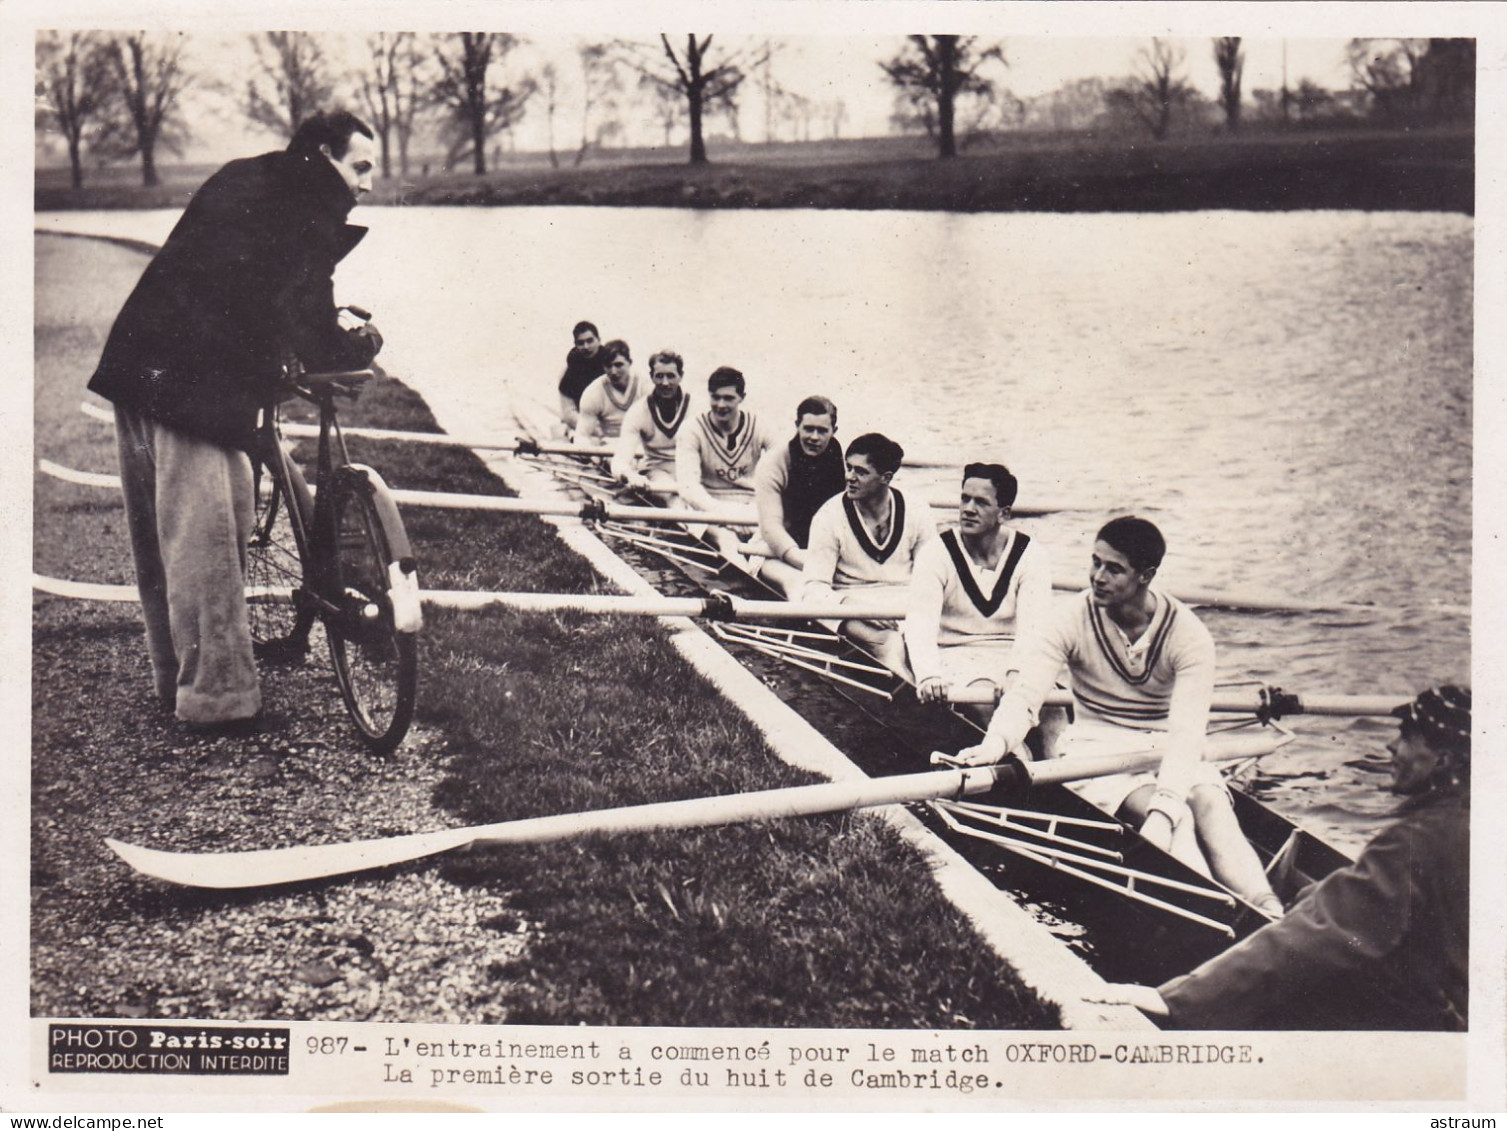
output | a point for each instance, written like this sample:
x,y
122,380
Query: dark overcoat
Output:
x,y
243,282
1382,944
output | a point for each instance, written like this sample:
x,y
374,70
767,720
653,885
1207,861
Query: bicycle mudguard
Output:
x,y
402,571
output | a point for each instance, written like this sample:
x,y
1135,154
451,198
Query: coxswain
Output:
x,y
1381,944
717,452
864,544
975,592
1140,662
790,485
607,399
644,458
583,365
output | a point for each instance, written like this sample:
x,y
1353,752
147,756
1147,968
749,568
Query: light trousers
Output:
x,y
190,510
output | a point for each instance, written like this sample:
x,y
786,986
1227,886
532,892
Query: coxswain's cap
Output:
x,y
1440,712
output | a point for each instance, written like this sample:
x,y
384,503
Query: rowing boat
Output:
x,y
1144,915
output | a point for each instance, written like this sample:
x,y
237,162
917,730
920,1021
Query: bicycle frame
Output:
x,y
355,571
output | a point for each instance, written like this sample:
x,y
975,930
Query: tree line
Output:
x,y
121,95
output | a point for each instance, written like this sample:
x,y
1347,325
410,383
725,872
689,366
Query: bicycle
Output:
x,y
338,556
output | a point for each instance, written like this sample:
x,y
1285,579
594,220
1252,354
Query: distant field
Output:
x,y
1353,169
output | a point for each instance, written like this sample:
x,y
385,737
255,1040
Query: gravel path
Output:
x,y
403,945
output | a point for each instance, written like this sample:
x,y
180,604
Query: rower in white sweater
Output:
x,y
1141,663
976,592
716,454
864,544
644,457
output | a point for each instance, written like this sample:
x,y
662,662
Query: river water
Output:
x,y
1288,395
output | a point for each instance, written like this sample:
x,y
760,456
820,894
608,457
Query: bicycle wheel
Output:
x,y
376,663
274,568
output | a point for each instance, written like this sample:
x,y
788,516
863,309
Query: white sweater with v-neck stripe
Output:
x,y
988,608
842,555
1165,682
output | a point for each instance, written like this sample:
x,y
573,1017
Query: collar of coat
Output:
x,y
312,176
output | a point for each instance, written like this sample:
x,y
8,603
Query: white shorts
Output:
x,y
1087,738
963,664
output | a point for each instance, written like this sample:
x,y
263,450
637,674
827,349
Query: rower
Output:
x,y
1140,662
715,455
583,365
975,591
607,399
790,485
864,544
644,458
1383,943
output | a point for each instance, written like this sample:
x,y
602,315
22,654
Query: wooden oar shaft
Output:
x,y
608,604
729,516
1249,703
486,443
1235,599
270,866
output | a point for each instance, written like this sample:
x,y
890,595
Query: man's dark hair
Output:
x,y
723,376
328,127
816,406
575,331
1139,540
1005,484
667,357
613,348
883,452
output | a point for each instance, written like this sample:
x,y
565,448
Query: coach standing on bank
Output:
x,y
243,284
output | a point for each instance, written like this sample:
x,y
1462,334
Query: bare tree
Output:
x,y
148,76
600,86
73,89
1421,80
668,107
1230,60
933,71
291,81
412,79
549,82
1156,90
1075,105
388,91
704,80
837,113
477,110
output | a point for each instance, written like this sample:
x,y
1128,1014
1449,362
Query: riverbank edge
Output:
x,y
329,732
1347,170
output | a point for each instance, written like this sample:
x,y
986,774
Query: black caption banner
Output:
x,y
167,1050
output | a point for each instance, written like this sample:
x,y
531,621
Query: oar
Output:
x,y
545,447
1270,702
601,604
502,504
269,866
1248,601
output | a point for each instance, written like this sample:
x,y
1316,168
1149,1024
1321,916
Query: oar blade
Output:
x,y
269,867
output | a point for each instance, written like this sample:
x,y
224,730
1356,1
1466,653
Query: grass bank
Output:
x,y
829,922
1395,170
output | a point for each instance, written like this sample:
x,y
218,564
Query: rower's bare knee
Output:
x,y
1135,808
1210,803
